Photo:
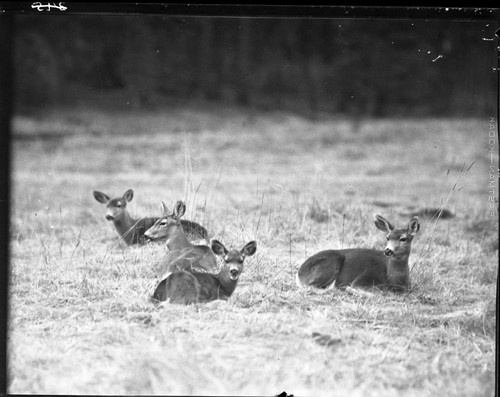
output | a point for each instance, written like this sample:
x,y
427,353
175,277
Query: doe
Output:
x,y
359,267
186,287
132,230
182,254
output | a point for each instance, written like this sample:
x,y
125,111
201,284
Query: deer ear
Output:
x,y
218,248
128,195
249,248
179,209
101,197
165,209
413,226
383,224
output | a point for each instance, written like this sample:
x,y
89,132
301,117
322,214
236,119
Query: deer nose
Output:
x,y
388,252
234,273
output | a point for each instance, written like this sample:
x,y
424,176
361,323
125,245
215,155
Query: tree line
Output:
x,y
348,66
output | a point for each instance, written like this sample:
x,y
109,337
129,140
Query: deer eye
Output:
x,y
163,223
119,205
403,239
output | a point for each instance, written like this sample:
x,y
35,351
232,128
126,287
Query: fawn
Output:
x,y
132,230
359,267
182,254
186,287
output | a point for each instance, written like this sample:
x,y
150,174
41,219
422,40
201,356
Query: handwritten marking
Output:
x,y
40,7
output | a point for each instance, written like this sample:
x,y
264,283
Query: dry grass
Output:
x,y
81,321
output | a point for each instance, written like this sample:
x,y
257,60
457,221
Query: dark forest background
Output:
x,y
376,68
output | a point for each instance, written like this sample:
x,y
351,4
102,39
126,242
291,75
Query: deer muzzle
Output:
x,y
234,274
148,236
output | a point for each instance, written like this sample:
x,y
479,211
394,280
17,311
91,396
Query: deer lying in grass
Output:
x,y
185,287
182,254
359,267
132,230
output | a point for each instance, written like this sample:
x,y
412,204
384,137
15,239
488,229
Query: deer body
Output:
x,y
182,254
186,287
193,287
132,230
189,258
360,267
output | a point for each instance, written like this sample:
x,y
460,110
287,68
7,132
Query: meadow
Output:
x,y
80,316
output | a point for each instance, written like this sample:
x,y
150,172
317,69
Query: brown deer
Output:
x,y
360,267
182,254
132,230
186,287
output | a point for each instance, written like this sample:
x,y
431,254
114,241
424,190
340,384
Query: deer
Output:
x,y
362,267
131,230
185,287
182,254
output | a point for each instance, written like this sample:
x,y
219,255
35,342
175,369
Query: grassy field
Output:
x,y
80,318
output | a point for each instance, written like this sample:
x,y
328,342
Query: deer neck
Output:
x,y
178,241
226,284
398,271
124,226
